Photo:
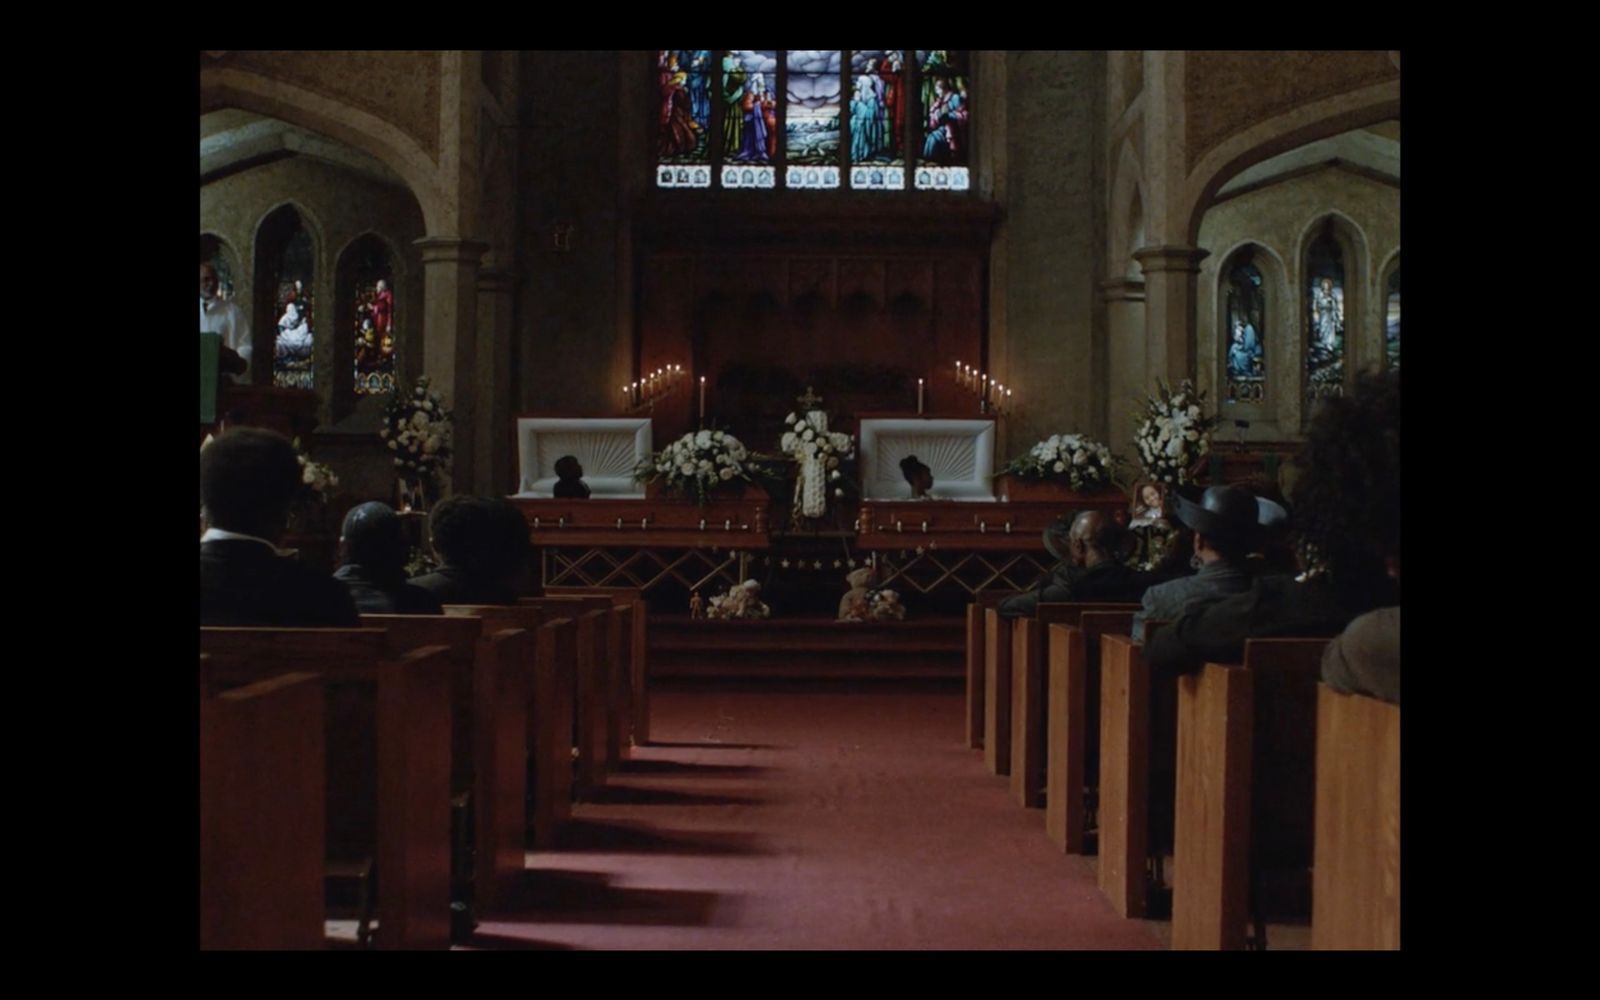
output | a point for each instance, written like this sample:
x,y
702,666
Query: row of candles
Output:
x,y
656,385
991,394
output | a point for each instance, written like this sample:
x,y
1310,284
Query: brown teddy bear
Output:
x,y
856,606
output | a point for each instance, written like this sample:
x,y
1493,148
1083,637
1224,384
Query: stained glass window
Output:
x,y
1326,318
294,309
942,165
683,132
1391,325
877,120
749,119
374,318
1246,331
812,123
887,117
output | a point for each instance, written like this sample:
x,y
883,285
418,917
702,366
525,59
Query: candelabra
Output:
x,y
644,394
992,396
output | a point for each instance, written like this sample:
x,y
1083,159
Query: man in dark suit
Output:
x,y
1347,515
373,550
1228,525
248,479
1089,570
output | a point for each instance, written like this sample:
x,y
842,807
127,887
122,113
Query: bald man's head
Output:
x,y
1094,538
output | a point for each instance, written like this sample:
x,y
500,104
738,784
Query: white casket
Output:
x,y
960,453
608,448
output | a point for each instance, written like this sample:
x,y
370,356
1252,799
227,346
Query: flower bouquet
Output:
x,y
1072,459
1174,434
416,427
742,601
698,464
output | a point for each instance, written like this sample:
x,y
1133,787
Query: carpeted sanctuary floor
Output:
x,y
808,819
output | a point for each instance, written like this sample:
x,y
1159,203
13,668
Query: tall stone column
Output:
x,y
494,466
450,343
1127,375
1170,309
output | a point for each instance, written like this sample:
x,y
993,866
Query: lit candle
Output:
x,y
919,396
702,399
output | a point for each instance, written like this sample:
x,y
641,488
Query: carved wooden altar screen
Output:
x,y
766,301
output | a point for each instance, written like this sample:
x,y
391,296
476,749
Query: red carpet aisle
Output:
x,y
803,819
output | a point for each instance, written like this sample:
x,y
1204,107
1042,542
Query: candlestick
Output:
x,y
702,400
919,397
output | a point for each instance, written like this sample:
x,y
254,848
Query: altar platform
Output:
x,y
807,649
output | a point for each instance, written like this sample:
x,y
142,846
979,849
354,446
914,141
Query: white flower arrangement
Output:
x,y
318,478
1081,462
819,454
698,463
1174,434
416,427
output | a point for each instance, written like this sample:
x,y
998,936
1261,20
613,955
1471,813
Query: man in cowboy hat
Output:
x,y
1089,569
1227,523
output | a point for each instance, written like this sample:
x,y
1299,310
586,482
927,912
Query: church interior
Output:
x,y
796,367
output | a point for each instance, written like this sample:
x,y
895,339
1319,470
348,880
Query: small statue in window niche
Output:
x,y
697,606
918,475
570,485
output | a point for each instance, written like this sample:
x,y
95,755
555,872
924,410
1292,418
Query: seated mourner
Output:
x,y
1347,514
1089,567
479,557
1227,523
248,479
373,550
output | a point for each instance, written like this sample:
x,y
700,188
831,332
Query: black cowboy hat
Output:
x,y
1226,513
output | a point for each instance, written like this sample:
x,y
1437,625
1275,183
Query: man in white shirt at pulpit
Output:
x,y
218,315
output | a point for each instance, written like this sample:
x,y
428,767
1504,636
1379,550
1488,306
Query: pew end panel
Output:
x,y
1355,895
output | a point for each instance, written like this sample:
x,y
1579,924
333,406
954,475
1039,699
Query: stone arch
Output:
x,y
1320,119
223,87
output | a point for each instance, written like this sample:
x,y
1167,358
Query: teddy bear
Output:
x,y
856,606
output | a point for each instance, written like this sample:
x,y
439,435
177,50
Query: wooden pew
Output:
x,y
1125,773
387,756
1029,693
262,755
1245,785
548,712
1355,891
1072,758
635,676
996,692
491,687
976,672
592,720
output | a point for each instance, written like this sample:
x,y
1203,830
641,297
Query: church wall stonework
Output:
x,y
569,175
1046,331
1280,219
400,87
1224,92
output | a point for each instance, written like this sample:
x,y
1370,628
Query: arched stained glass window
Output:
x,y
367,267
285,251
683,133
1391,324
813,118
877,120
807,119
1245,315
1325,330
749,119
945,120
